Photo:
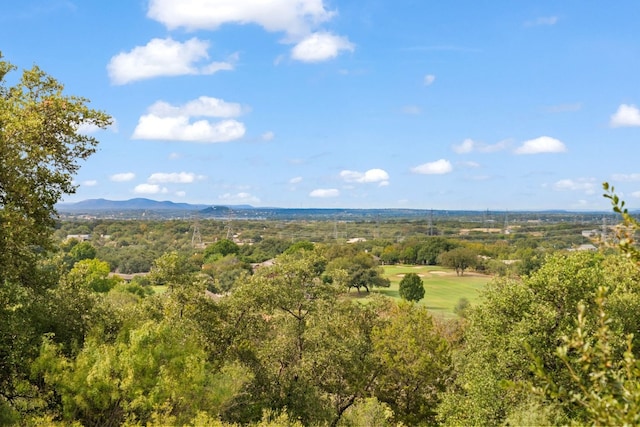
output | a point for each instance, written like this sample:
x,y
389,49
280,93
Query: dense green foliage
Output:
x,y
411,287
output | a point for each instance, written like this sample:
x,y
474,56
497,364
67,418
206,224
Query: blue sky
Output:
x,y
496,105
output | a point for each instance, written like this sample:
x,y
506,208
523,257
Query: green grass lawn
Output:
x,y
442,287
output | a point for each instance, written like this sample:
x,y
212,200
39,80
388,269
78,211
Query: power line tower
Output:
x,y
506,222
230,226
431,223
196,237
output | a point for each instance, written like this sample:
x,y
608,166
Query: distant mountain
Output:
x,y
132,204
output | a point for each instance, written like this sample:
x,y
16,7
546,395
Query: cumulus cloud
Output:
x,y
439,167
90,183
122,177
626,116
181,193
429,79
204,106
149,189
298,19
239,198
324,193
174,178
371,176
321,46
291,16
588,185
543,144
164,57
173,123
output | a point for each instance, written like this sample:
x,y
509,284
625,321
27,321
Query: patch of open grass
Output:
x,y
443,289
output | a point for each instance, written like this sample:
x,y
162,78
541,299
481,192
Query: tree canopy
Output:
x,y
411,287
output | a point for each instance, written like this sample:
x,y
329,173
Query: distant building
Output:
x,y
79,237
357,240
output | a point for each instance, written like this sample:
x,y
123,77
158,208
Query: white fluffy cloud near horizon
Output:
x,y
174,178
173,123
588,185
150,189
122,177
324,193
165,57
627,115
543,144
439,167
379,176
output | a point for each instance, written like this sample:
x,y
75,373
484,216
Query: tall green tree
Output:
x,y
40,151
415,364
411,287
459,259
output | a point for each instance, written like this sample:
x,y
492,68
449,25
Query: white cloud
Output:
x,y
543,144
543,20
465,147
371,176
294,17
90,183
174,156
181,193
122,177
439,167
296,180
174,178
588,185
325,193
204,106
633,177
268,136
163,57
239,198
626,116
321,46
636,194
168,122
149,189
429,79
